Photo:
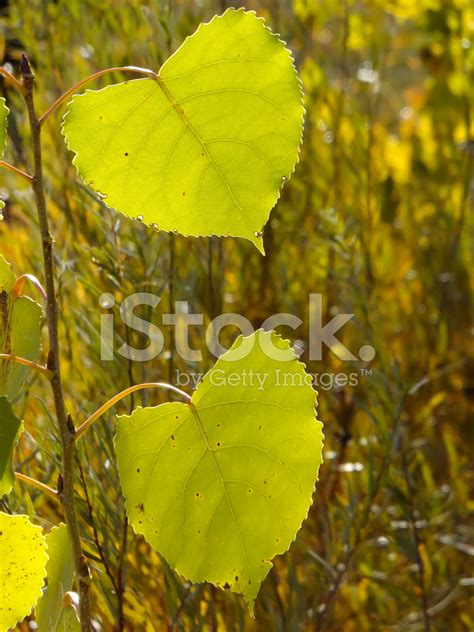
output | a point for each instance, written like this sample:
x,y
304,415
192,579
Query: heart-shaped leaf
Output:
x,y
10,430
221,486
22,568
204,148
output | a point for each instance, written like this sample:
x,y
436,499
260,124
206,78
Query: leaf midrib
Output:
x,y
180,112
222,480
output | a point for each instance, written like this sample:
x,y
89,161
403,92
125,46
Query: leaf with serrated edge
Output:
x,y
206,147
221,486
22,568
60,574
10,430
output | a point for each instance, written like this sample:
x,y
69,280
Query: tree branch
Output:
x,y
65,425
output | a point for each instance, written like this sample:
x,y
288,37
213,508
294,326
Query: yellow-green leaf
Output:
x,y
221,486
4,111
10,429
205,148
60,574
20,332
22,568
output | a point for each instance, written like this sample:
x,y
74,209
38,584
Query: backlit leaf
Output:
x,y
4,111
7,276
10,430
205,148
221,487
22,568
69,621
60,574
20,332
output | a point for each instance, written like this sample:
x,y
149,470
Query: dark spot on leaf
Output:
x,y
226,585
236,578
141,507
172,436
138,470
218,444
126,153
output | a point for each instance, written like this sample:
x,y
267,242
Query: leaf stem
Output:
x,y
64,97
16,171
116,398
41,486
9,357
64,421
8,75
18,285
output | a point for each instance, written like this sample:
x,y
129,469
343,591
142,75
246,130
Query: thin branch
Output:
x,y
416,539
16,171
116,398
9,357
41,486
64,97
64,422
98,544
8,75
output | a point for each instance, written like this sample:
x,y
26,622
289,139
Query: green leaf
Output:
x,y
22,568
221,487
25,340
205,148
20,332
10,430
4,112
7,276
60,574
69,621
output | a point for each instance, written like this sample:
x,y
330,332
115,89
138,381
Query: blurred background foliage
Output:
x,y
376,219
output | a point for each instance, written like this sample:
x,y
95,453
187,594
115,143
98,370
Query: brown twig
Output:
x,y
41,486
65,425
9,357
8,75
16,171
